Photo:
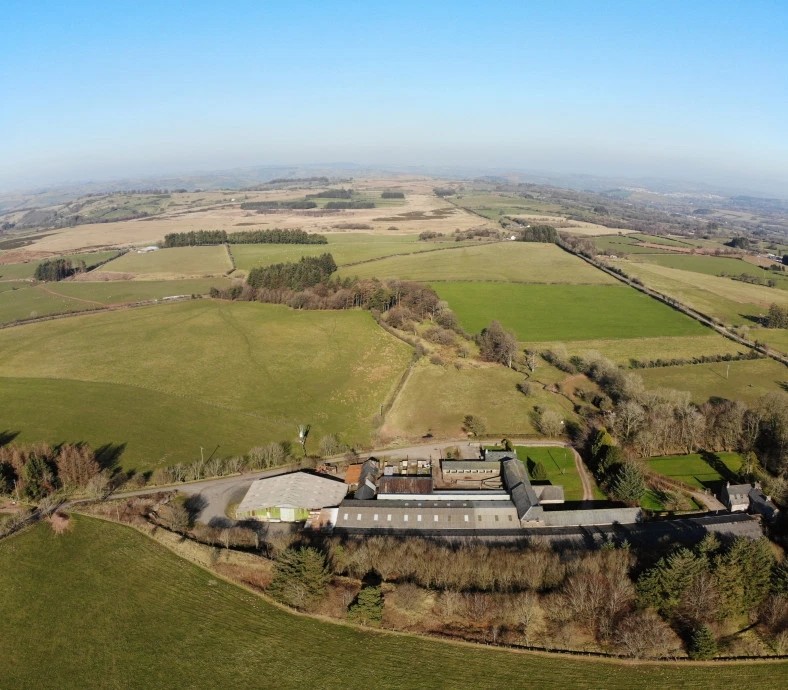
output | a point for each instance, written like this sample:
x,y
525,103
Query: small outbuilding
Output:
x,y
290,497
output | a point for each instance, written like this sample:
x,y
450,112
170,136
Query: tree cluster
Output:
x,y
392,195
273,236
53,270
341,205
496,344
299,204
332,194
39,470
777,317
539,233
306,273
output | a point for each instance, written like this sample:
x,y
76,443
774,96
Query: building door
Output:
x,y
287,514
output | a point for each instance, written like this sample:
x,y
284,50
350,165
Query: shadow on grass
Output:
x,y
108,455
7,436
715,462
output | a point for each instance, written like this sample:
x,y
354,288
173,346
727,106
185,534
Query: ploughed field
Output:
x,y
103,606
168,379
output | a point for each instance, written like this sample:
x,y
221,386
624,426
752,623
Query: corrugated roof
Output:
x,y
296,490
404,485
519,486
353,474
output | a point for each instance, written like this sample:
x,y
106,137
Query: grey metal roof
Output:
x,y
296,490
594,516
762,504
367,483
498,455
465,465
519,486
549,493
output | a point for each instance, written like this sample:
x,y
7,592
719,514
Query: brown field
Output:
x,y
421,210
575,227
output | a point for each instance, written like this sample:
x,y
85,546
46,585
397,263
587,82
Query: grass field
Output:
x,y
346,248
714,266
728,300
436,399
30,301
702,471
746,380
527,262
104,606
175,262
265,368
25,271
559,463
539,313
776,338
622,350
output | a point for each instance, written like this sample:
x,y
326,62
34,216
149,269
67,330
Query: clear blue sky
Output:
x,y
692,89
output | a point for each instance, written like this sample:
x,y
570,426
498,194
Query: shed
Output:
x,y
290,497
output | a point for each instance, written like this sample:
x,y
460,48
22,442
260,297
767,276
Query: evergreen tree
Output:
x,y
368,607
538,472
702,644
629,484
301,577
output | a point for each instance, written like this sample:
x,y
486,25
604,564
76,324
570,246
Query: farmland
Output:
x,y
542,313
699,470
527,262
235,637
169,263
28,301
714,266
745,380
435,400
727,300
249,360
622,350
25,271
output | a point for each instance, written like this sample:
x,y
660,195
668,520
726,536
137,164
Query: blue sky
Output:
x,y
688,90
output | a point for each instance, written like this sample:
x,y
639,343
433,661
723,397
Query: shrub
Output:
x,y
368,607
474,425
702,644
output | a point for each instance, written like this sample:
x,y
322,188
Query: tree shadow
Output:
x,y
759,320
108,455
194,505
715,462
7,436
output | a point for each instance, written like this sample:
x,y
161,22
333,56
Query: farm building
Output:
x,y
290,497
748,497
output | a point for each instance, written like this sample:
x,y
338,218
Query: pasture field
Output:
x,y
625,244
26,270
275,366
157,428
436,399
728,300
138,602
622,350
346,248
173,262
659,239
526,262
776,338
544,313
715,265
46,299
559,463
746,380
700,470
493,206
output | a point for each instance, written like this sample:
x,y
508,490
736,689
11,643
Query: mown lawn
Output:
x,y
745,380
176,261
540,313
103,606
526,262
706,470
559,463
265,368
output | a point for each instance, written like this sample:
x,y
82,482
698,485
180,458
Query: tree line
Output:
x,y
332,194
53,270
266,205
392,195
212,237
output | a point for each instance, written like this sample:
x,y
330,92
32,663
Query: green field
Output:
x,y
715,265
526,262
625,244
30,301
436,399
540,313
559,463
25,271
624,349
728,300
346,248
745,380
493,206
776,338
266,368
104,606
177,261
702,471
